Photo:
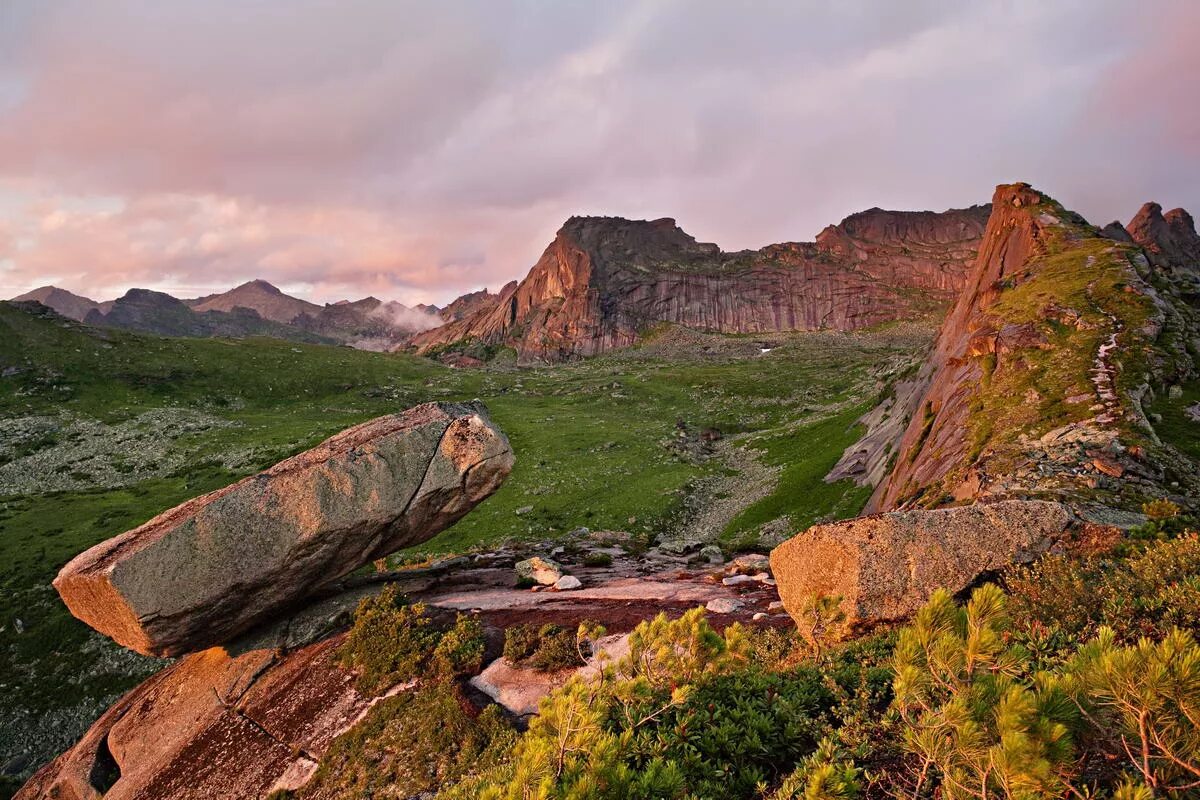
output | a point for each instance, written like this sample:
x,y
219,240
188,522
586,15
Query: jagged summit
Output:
x,y
1170,239
604,281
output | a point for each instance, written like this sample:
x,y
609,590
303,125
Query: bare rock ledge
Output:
x,y
886,566
217,565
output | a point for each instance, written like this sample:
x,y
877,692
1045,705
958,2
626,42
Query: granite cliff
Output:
x,y
605,281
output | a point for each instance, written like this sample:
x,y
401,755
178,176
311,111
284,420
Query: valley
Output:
x,y
106,428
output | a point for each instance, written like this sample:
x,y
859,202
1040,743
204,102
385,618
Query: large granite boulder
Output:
x,y
217,565
886,566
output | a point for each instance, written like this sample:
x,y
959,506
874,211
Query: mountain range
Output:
x,y
255,308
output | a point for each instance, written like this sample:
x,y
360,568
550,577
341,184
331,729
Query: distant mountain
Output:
x,y
255,308
267,300
66,303
604,281
156,312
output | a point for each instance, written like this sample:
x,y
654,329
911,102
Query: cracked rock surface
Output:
x,y
215,566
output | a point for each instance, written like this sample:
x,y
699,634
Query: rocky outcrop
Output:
x,y
604,281
1022,391
258,713
886,566
1169,239
215,566
471,302
228,722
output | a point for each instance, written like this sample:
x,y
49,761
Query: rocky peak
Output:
x,y
646,241
1169,239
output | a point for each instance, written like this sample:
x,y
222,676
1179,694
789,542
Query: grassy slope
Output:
x,y
589,437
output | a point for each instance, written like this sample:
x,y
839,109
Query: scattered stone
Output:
x,y
540,570
723,605
1108,467
886,566
523,510
758,615
712,554
752,562
217,565
734,580
775,605
567,582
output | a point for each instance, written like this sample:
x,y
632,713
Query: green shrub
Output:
x,y
735,731
392,642
977,722
547,649
597,560
1144,704
412,743
1061,600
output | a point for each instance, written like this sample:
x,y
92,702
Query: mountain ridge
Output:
x,y
604,280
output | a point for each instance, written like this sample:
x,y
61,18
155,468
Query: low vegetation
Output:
x,y
1080,678
393,642
547,649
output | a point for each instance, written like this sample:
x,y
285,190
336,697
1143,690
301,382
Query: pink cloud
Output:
x,y
416,150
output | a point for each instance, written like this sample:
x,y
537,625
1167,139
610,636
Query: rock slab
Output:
x,y
886,566
219,564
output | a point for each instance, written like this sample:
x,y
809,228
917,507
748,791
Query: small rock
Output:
x,y
1108,467
523,510
1174,392
567,582
734,580
540,570
723,605
712,554
759,615
751,562
580,531
776,605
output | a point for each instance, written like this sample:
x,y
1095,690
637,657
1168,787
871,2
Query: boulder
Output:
x,y
219,564
540,570
212,725
886,566
567,582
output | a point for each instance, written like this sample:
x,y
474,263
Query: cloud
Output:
x,y
417,150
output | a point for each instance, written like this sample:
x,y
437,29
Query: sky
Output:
x,y
418,150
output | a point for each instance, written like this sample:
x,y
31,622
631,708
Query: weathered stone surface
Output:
x,y
216,565
886,566
604,279
1170,239
213,725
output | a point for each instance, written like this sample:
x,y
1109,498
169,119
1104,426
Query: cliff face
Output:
x,y
1035,384
604,280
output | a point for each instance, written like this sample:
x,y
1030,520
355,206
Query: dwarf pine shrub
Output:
x,y
392,642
